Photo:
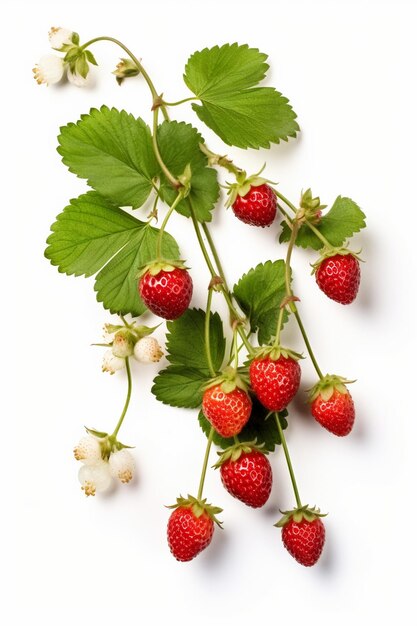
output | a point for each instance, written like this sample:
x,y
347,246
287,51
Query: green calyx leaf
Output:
x,y
96,433
181,383
233,453
326,253
179,145
93,235
113,151
225,80
275,352
258,428
157,265
198,507
327,386
229,379
337,225
259,294
243,185
299,514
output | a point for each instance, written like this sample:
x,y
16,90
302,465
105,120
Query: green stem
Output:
x,y
307,342
174,104
173,181
164,223
126,406
279,326
204,469
235,349
222,161
288,459
294,209
207,333
214,253
291,243
319,235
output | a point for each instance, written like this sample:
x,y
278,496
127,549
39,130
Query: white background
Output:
x,y
349,71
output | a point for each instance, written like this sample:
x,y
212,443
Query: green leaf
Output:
x,y
259,294
180,384
179,146
258,427
92,234
113,151
343,220
224,79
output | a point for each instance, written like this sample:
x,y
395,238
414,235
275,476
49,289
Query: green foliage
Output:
x,y
113,151
343,220
92,234
263,429
259,294
179,146
180,384
224,79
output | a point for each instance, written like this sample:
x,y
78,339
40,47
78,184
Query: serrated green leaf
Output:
x,y
343,220
179,146
263,430
224,79
92,234
113,151
259,294
180,384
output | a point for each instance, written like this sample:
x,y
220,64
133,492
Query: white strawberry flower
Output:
x,y
49,70
112,363
122,465
88,450
122,345
76,79
95,478
59,37
147,350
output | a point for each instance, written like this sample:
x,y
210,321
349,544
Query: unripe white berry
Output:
x,y
76,78
88,451
59,37
147,350
122,345
122,465
112,363
49,70
95,478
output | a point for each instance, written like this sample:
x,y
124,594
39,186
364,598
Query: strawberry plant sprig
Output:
x,y
139,268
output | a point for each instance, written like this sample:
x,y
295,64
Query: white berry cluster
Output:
x,y
126,341
97,472
75,64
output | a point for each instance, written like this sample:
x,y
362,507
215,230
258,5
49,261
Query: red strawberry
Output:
x,y
336,413
167,293
248,478
304,540
275,381
338,276
226,412
258,207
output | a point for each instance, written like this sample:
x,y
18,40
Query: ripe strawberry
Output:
x,y
304,540
336,413
248,478
338,276
275,381
226,412
167,293
258,207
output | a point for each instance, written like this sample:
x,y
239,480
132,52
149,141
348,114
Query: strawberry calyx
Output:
x,y
299,514
326,387
310,208
198,507
229,380
108,443
234,452
328,252
275,352
158,265
243,185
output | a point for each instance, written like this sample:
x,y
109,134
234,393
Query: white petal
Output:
x,y
122,465
112,363
59,37
78,80
147,350
95,478
49,70
88,451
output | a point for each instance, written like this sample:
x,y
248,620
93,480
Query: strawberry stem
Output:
x,y
164,223
288,459
295,210
205,462
307,342
207,333
126,406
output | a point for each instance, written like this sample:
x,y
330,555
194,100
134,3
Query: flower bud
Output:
x,y
112,363
147,350
122,465
122,344
125,69
94,478
49,70
88,451
60,37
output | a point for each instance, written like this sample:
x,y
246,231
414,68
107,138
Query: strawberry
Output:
x,y
338,276
275,381
190,527
257,207
332,405
246,474
168,292
227,411
303,534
